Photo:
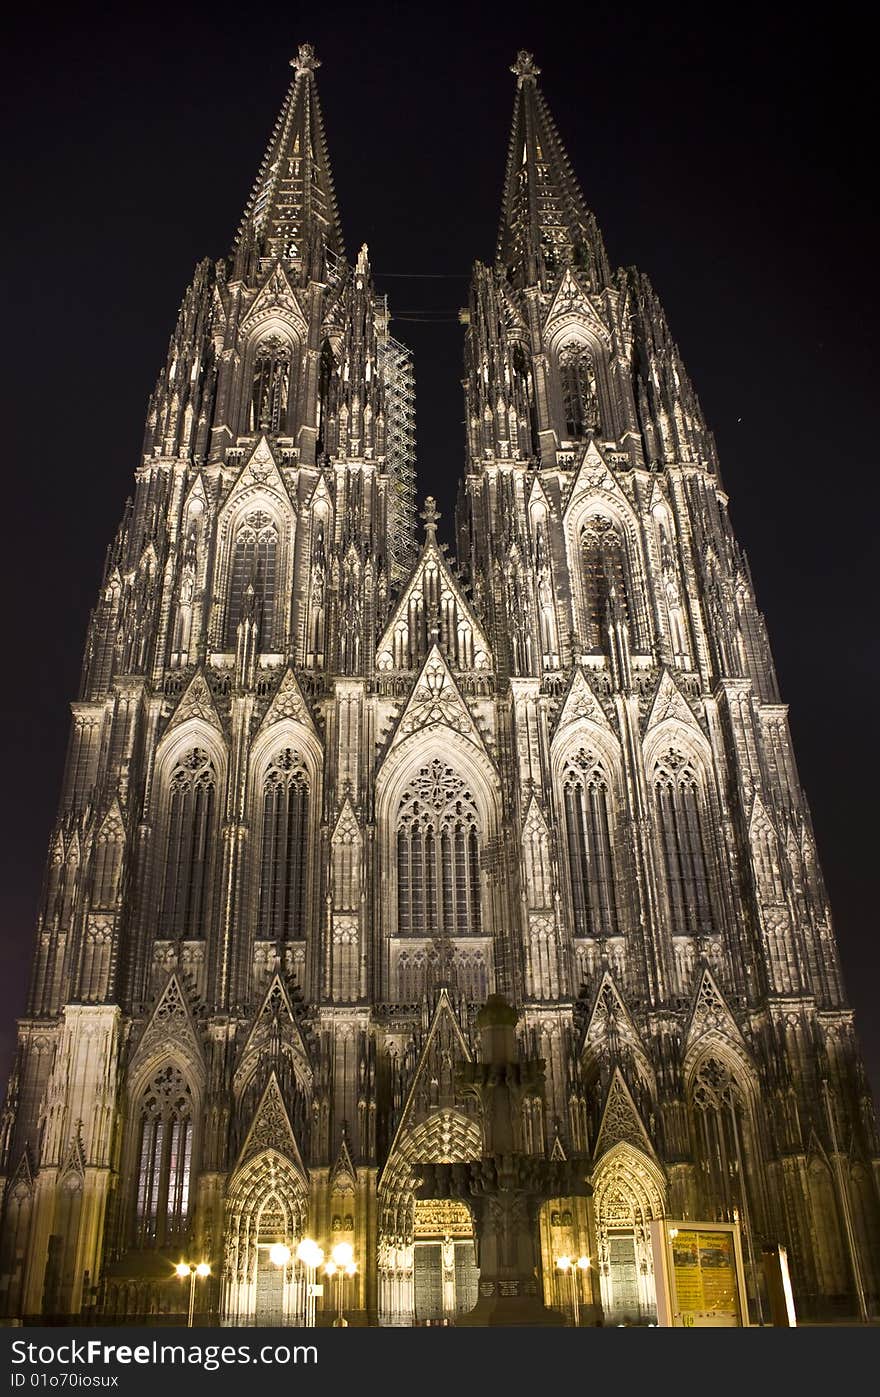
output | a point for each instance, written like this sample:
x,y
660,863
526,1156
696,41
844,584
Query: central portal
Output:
x,y
445,1271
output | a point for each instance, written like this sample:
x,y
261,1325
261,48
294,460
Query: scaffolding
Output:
x,y
396,366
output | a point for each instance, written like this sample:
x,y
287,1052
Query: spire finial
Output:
x,y
525,67
305,61
430,514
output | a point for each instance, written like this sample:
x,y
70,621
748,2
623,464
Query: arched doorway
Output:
x,y
628,1192
427,1256
444,1260
265,1206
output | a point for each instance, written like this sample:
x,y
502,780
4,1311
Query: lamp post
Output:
x,y
570,1267
192,1269
340,1265
311,1255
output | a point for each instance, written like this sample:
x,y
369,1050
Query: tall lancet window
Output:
x,y
578,378
283,848
438,856
254,564
325,395
683,840
186,898
164,1158
604,579
723,1140
271,387
588,830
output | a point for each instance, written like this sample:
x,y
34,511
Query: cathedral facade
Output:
x,y
328,789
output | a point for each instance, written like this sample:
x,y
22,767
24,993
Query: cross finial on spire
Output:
x,y
525,67
305,61
430,514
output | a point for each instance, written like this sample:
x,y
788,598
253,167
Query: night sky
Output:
x,y
729,157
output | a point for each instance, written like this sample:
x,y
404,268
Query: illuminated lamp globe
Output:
x,y
343,1253
182,1269
279,1254
203,1270
309,1253
564,1263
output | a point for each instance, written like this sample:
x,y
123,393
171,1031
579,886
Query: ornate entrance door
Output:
x,y
269,1308
623,1281
428,1280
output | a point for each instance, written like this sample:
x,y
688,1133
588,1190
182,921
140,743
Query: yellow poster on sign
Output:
x,y
700,1270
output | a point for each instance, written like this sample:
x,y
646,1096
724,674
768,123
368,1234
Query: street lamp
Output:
x,y
340,1265
570,1267
311,1256
192,1269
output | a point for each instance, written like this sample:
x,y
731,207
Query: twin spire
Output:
x,y
293,199
545,223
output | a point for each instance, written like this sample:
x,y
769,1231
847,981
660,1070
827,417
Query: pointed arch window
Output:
x,y
270,393
723,1139
254,564
588,829
186,897
683,841
283,848
326,405
438,856
577,374
164,1158
604,579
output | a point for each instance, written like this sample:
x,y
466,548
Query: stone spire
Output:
x,y
545,223
293,199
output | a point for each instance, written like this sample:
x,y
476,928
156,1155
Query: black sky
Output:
x,y
729,154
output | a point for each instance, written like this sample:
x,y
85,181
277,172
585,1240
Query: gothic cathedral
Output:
x,y
328,789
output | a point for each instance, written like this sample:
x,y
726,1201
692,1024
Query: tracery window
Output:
x,y
186,897
283,849
164,1158
578,377
438,856
588,826
683,840
604,576
271,386
720,1121
254,564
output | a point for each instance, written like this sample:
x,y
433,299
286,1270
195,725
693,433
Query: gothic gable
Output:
x,y
274,1027
288,702
275,299
670,703
610,1031
581,703
594,476
21,1182
170,1026
112,826
621,1122
415,592
343,1175
571,303
271,1129
712,1015
75,1158
196,701
436,701
259,474
433,1081
197,494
